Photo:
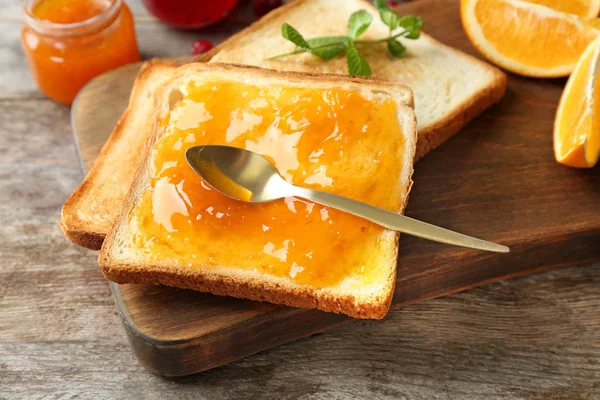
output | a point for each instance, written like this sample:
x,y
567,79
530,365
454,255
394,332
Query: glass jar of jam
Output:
x,y
68,42
189,14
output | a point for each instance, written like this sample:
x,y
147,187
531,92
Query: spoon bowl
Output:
x,y
248,176
239,167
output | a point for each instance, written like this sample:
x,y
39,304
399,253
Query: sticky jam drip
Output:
x,y
328,139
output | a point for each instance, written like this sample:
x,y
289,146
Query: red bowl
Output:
x,y
189,14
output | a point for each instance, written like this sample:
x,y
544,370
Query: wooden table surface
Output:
x,y
61,338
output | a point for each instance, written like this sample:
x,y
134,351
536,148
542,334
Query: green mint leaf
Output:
x,y
408,22
381,5
413,34
357,64
389,18
329,52
420,22
412,25
396,48
327,47
291,34
323,40
358,23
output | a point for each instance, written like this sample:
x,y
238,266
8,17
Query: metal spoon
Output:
x,y
260,182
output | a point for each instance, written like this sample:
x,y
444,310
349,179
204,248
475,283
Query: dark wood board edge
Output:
x,y
523,260
186,357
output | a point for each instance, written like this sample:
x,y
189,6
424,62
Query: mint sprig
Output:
x,y
357,64
396,48
291,34
358,23
334,45
381,5
328,47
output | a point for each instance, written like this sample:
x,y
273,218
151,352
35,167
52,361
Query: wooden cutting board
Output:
x,y
496,180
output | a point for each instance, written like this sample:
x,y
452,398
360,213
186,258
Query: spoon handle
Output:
x,y
397,222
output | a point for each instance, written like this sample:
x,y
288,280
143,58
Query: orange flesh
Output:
x,y
330,139
63,65
521,40
577,7
592,149
578,126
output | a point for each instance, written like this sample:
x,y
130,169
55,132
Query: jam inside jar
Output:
x,y
69,42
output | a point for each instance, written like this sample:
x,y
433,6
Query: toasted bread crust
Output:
x,y
293,76
82,232
82,236
262,287
254,290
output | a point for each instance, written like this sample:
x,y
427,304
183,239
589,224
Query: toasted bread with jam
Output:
x,y
349,136
450,88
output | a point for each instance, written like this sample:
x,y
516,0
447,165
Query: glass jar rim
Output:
x,y
53,28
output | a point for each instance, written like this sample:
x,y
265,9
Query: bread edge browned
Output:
x,y
76,230
194,279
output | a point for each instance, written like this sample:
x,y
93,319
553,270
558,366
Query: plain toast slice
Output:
x,y
355,137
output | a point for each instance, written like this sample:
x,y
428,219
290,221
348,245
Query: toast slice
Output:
x,y
354,137
451,88
90,211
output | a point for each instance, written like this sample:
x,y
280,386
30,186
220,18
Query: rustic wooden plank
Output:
x,y
531,338
15,79
38,168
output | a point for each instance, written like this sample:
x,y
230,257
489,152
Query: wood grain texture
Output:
x,y
60,338
502,159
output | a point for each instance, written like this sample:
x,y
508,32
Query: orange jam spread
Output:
x,y
69,42
328,139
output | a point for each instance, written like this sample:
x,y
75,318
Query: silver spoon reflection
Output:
x,y
247,176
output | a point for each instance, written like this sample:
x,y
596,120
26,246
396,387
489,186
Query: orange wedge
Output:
x,y
526,38
582,8
577,125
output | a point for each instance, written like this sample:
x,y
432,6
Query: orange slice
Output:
x,y
577,125
582,8
526,38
